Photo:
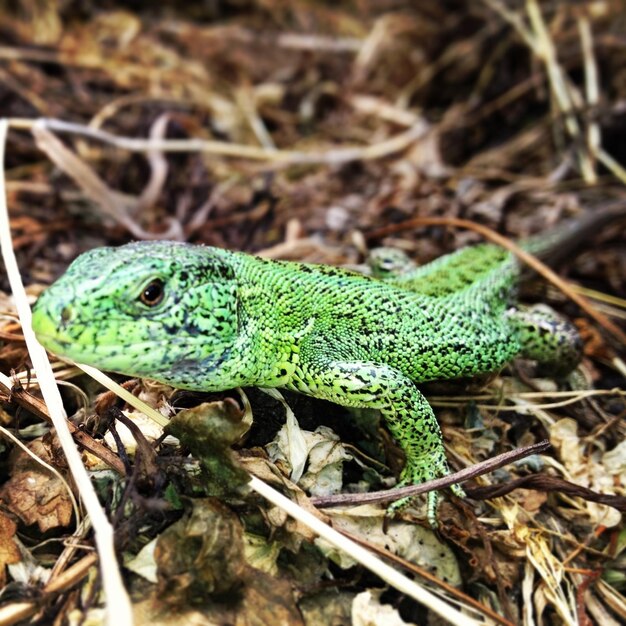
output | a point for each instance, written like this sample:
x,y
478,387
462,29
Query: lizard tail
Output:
x,y
563,242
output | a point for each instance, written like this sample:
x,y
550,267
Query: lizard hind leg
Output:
x,y
548,338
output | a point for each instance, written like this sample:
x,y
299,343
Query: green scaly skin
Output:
x,y
227,319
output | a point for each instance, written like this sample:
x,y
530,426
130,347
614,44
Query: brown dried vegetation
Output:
x,y
295,130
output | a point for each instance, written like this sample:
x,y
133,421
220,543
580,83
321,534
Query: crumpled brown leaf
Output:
x,y
35,494
9,552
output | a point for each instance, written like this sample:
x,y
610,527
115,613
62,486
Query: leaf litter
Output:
x,y
294,130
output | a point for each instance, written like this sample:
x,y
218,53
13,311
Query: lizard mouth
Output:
x,y
47,330
53,343
50,334
57,345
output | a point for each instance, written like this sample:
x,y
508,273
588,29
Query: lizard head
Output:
x,y
159,309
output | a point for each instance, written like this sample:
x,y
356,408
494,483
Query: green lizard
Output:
x,y
209,319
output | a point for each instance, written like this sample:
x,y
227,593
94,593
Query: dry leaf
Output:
x,y
35,494
9,552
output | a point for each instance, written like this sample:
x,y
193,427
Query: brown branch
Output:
x,y
38,407
544,482
389,495
19,611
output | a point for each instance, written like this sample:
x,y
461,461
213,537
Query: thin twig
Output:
x,y
592,91
332,156
26,400
18,611
538,40
95,188
461,476
545,50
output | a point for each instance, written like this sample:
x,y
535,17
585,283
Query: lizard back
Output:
x,y
435,333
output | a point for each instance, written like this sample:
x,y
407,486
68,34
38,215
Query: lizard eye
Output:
x,y
153,292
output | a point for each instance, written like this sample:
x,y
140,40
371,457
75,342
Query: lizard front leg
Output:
x,y
408,415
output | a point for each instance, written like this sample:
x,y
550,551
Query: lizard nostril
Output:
x,y
67,313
